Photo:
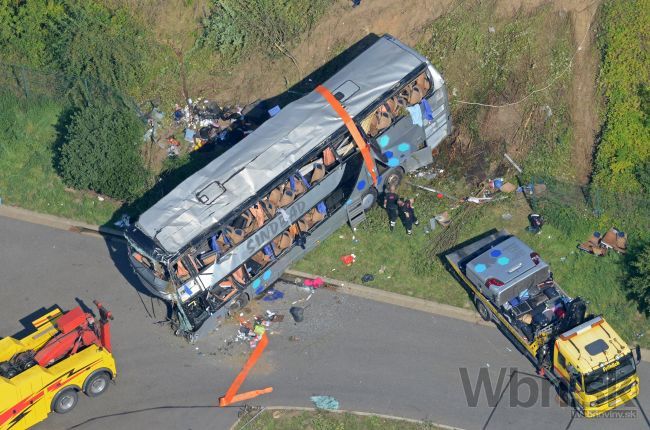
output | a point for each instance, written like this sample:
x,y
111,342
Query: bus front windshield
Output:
x,y
599,379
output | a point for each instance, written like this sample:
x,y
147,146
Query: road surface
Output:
x,y
370,356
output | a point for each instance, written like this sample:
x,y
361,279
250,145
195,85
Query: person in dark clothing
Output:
x,y
356,3
407,215
390,204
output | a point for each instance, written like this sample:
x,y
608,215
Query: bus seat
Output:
x,y
275,196
181,271
208,258
287,198
270,207
283,241
236,235
258,214
383,119
328,157
316,216
318,173
423,82
299,187
392,107
261,258
240,275
416,95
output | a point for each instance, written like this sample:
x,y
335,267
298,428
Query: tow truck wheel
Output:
x,y
483,311
97,384
65,401
394,179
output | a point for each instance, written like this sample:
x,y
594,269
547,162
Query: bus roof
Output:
x,y
274,147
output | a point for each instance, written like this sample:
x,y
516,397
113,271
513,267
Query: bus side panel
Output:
x,y
440,127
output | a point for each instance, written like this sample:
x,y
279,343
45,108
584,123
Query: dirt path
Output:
x,y
583,101
408,20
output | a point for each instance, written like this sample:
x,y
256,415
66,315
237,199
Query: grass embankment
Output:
x,y
320,420
28,136
494,67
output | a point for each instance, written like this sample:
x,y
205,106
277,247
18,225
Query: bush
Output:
x,y
638,281
102,152
626,132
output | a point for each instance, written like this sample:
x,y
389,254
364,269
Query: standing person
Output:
x,y
407,215
390,204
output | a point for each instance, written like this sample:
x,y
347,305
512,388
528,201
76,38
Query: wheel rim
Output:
x,y
67,401
367,201
98,385
393,179
483,311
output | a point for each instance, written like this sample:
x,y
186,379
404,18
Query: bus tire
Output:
x,y
483,311
97,383
65,400
369,199
394,178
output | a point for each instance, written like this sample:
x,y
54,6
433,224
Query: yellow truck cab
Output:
x,y
597,362
589,364
44,371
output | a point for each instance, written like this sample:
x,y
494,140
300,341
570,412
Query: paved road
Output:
x,y
370,356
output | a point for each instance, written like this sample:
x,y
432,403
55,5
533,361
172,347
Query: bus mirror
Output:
x,y
638,354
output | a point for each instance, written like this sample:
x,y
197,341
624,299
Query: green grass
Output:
x,y
411,269
28,133
320,420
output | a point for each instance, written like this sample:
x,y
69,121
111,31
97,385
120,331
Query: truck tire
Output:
x,y
483,311
369,199
97,384
65,400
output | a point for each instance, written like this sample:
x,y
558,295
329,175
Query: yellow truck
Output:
x,y
589,364
44,371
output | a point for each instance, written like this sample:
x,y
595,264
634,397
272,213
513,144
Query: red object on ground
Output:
x,y
439,195
348,259
314,283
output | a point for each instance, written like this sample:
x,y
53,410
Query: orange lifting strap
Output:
x,y
354,131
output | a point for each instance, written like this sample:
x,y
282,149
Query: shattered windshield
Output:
x,y
601,379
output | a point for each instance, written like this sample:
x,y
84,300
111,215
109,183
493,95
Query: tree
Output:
x,y
102,152
638,281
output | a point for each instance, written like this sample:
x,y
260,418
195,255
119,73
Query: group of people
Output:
x,y
397,206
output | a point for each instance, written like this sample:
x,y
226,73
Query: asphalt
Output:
x,y
370,356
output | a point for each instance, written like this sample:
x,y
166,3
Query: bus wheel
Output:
x,y
394,178
65,401
97,384
369,199
483,311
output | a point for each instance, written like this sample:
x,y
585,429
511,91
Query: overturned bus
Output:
x,y
229,231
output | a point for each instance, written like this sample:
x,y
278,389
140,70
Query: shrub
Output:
x,y
638,281
101,152
626,132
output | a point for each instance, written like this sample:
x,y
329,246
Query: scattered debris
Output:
x,y
325,402
314,283
297,313
367,278
442,219
381,270
506,216
348,259
272,294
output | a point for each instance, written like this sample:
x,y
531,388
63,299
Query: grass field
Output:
x,y
319,420
28,135
410,268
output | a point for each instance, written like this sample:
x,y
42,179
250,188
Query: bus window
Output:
x,y
396,106
224,289
346,148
